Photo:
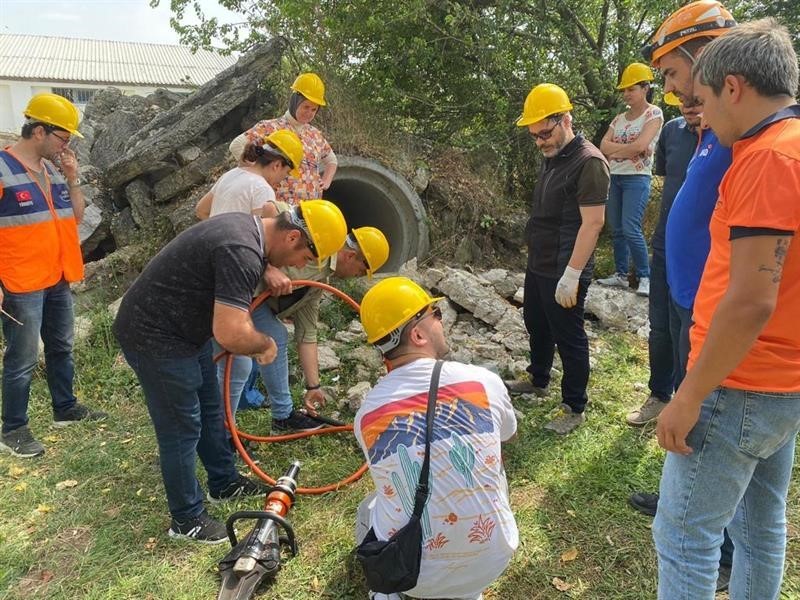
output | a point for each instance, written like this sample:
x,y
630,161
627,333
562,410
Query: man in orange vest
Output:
x,y
40,254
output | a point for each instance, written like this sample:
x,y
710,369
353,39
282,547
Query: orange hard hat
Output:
x,y
703,18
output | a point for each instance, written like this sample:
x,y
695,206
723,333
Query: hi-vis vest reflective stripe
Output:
x,y
39,241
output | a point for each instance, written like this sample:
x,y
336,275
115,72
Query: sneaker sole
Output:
x,y
10,450
61,424
645,510
174,535
634,423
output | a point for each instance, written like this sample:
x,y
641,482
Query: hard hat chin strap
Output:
x,y
688,54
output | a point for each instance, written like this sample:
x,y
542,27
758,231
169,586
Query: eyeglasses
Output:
x,y
436,313
311,246
546,134
65,140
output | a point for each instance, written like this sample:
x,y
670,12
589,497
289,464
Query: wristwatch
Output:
x,y
76,183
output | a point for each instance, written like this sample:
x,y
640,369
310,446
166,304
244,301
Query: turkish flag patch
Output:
x,y
23,196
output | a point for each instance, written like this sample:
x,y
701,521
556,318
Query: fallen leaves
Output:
x,y
21,487
67,483
44,508
15,472
569,555
151,543
561,585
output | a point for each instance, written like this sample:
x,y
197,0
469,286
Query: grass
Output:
x,y
104,538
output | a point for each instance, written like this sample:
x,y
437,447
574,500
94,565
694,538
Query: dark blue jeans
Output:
x,y
680,321
47,313
662,373
552,326
183,400
627,199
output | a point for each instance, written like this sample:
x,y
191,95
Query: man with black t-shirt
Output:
x,y
198,286
567,214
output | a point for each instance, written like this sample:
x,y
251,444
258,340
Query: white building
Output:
x,y
77,68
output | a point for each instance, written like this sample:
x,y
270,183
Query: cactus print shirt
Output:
x,y
469,531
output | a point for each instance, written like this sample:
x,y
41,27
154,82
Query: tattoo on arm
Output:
x,y
781,248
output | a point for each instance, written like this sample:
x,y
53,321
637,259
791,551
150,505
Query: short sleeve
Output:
x,y
593,183
305,319
763,192
237,271
652,114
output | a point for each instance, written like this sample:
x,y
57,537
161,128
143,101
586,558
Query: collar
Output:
x,y
570,148
790,112
292,121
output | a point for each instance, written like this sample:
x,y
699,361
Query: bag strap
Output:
x,y
421,495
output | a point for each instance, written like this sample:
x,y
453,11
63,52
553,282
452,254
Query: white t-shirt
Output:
x,y
469,531
241,191
625,132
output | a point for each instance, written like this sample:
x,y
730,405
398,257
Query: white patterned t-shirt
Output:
x,y
625,132
469,531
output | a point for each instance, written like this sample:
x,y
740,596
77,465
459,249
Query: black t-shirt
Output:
x,y
168,311
577,176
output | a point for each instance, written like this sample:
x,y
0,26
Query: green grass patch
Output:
x,y
105,537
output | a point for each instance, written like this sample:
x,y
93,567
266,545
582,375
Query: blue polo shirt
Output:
x,y
687,236
675,148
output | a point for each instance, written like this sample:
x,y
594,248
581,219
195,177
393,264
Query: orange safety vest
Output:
x,y
39,242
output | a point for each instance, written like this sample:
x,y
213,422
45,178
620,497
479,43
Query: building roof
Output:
x,y
40,58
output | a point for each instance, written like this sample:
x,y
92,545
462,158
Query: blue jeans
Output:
x,y
276,374
627,198
659,346
47,313
737,476
240,372
183,400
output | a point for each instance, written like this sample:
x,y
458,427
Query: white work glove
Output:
x,y
567,288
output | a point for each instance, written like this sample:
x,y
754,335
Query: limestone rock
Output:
x,y
356,394
328,360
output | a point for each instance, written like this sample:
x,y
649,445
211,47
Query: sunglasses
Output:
x,y
546,134
436,313
311,246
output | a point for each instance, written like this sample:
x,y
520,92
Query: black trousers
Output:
x,y
552,326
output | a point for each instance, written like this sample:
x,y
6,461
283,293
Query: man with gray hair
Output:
x,y
730,430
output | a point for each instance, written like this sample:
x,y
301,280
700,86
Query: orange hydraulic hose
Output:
x,y
236,434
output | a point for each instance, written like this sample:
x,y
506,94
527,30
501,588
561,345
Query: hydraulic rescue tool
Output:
x,y
257,556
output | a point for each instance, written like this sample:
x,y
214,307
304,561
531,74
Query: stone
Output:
x,y
188,154
328,360
113,308
123,227
356,394
618,308
367,356
140,199
92,218
192,174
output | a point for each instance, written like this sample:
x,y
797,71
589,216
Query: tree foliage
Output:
x,y
457,71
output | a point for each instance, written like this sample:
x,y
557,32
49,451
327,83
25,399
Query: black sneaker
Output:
x,y
21,443
241,487
202,528
645,503
77,412
296,421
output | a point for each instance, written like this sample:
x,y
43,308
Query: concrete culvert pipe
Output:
x,y
370,194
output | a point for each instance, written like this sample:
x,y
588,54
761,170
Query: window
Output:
x,y
76,95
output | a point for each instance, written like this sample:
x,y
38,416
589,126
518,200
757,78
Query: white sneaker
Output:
x,y
644,287
616,280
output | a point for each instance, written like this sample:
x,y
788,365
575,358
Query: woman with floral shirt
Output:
x,y
319,161
629,145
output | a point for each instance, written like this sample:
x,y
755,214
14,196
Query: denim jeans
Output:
x,y
552,326
680,322
659,343
276,374
47,313
627,199
737,476
240,372
183,400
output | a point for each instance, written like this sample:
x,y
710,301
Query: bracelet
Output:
x,y
74,184
310,388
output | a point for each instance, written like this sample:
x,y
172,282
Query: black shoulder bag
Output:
x,y
393,565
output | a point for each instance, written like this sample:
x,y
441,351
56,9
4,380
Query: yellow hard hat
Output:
x,y
704,18
373,246
634,73
672,99
390,304
311,87
54,110
543,100
325,225
289,145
